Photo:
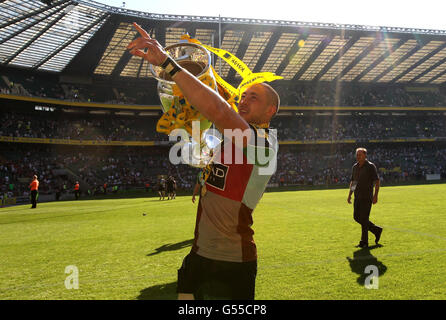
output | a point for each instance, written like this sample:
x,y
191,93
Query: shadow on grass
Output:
x,y
363,258
166,291
172,247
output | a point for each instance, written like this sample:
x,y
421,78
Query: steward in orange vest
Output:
x,y
77,191
34,186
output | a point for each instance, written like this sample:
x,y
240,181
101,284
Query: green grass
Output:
x,y
304,240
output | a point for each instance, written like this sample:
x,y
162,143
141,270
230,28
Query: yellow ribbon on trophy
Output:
x,y
249,78
181,114
172,119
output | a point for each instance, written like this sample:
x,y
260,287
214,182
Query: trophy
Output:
x,y
178,113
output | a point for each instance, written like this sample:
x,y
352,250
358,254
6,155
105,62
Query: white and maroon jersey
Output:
x,y
224,216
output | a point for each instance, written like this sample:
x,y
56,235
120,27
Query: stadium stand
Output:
x,y
127,168
326,166
109,127
352,95
84,127
84,109
322,95
131,168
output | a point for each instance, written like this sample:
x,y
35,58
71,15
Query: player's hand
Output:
x,y
154,54
375,199
349,199
193,199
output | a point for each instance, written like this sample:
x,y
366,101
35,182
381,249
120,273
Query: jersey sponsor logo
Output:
x,y
218,176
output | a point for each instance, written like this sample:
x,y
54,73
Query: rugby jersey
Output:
x,y
223,229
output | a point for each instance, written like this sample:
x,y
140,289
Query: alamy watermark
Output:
x,y
248,148
372,280
72,280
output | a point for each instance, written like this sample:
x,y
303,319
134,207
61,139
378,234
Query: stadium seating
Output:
x,y
318,147
291,94
133,167
58,124
396,163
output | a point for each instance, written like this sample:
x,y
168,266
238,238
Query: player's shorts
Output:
x,y
210,279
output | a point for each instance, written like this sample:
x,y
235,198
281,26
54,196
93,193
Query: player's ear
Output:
x,y
271,111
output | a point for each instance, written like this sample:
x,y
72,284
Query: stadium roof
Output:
x,y
88,38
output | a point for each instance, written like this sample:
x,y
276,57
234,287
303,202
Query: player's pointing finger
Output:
x,y
141,31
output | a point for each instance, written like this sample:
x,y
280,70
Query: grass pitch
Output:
x,y
305,239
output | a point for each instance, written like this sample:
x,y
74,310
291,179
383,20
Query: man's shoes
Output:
x,y
362,245
378,235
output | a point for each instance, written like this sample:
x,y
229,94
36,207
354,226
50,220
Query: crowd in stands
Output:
x,y
291,94
137,167
42,87
132,167
395,163
108,95
17,169
362,127
133,128
358,96
59,166
97,128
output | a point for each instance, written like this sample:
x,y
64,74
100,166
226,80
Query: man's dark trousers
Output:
x,y
34,198
361,215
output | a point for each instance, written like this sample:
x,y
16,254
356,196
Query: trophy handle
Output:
x,y
177,111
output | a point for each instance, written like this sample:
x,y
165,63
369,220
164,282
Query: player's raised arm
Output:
x,y
210,104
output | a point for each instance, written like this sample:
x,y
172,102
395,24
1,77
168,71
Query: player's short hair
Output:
x,y
35,176
361,149
273,96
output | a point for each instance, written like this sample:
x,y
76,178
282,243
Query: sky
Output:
x,y
420,14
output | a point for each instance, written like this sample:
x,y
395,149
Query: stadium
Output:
x,y
76,106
